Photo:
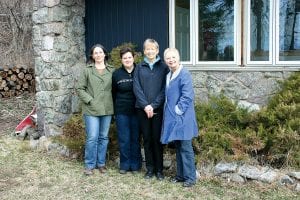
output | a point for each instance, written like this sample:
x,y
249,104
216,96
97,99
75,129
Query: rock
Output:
x,y
225,167
198,176
32,132
117,161
233,177
286,180
237,178
167,164
65,152
33,144
296,175
251,172
143,155
268,177
44,143
75,156
53,146
297,187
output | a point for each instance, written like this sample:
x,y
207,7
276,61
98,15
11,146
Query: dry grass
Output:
x,y
26,174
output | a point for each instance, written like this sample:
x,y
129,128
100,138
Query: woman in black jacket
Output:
x,y
125,113
149,89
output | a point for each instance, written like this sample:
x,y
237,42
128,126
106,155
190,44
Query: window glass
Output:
x,y
260,30
289,30
182,28
216,30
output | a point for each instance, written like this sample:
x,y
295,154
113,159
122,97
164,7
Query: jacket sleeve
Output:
x,y
81,87
141,99
187,94
114,87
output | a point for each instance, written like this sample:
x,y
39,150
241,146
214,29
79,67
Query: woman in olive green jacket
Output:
x,y
94,90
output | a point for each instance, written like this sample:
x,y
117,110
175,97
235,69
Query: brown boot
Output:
x,y
102,170
88,172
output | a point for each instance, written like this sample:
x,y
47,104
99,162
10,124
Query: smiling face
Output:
x,y
98,55
172,59
127,60
150,51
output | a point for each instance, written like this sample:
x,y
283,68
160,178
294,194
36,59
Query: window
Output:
x,y
288,31
233,33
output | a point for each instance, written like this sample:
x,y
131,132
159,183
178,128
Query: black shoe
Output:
x,y
188,184
176,180
148,175
160,176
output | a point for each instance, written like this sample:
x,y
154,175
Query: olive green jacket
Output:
x,y
94,90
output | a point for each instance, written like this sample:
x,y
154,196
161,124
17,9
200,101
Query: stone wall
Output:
x,y
249,89
59,51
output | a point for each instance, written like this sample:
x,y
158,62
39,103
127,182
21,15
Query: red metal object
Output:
x,y
26,121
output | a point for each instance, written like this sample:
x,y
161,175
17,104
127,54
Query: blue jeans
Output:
x,y
96,128
129,142
185,158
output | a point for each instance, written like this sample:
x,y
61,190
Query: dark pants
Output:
x,y
151,131
129,142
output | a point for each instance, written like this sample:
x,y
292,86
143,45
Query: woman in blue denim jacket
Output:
x,y
179,122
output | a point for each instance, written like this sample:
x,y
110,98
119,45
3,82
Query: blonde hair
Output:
x,y
171,49
152,41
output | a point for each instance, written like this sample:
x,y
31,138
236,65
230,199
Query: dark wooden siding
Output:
x,y
112,22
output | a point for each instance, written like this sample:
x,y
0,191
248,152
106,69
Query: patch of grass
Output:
x,y
38,175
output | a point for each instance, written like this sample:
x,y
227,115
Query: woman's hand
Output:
x,y
149,111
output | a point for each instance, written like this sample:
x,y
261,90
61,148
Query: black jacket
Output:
x,y
149,85
122,90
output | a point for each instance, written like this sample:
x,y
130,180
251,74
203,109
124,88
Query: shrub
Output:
x,y
279,125
73,136
115,54
271,135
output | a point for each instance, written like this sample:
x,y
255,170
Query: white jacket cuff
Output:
x,y
178,111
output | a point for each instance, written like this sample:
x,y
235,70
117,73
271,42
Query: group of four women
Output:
x,y
155,98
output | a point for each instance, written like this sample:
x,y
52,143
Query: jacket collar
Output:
x,y
147,63
174,75
123,68
108,69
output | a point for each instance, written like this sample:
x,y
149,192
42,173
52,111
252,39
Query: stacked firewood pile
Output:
x,y
16,80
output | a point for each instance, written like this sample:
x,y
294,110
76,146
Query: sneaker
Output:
x,y
176,180
88,172
160,176
148,175
123,171
188,184
102,170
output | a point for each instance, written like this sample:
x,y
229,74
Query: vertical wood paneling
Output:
x,y
112,22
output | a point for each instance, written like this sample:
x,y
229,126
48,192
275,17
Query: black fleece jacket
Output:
x,y
122,91
149,85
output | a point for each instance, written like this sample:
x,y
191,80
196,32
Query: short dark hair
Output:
x,y
126,49
91,60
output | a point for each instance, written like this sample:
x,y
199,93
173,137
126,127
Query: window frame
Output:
x,y
247,31
242,48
